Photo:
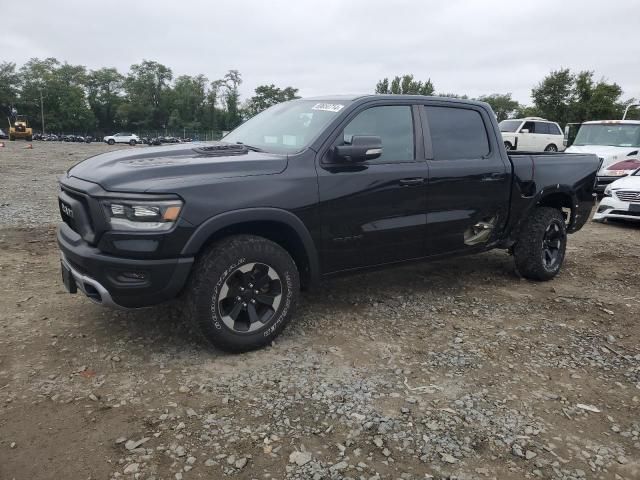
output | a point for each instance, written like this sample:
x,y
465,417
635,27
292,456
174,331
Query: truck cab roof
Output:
x,y
362,98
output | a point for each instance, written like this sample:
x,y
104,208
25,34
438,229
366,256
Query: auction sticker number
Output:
x,y
328,107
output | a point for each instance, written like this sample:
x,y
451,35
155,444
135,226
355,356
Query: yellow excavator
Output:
x,y
19,128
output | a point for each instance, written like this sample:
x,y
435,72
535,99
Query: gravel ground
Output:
x,y
453,369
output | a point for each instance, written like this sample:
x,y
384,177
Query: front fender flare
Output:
x,y
214,224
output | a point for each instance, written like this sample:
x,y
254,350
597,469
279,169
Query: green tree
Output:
x,y
104,93
565,97
554,96
9,87
212,113
74,112
405,85
595,100
147,88
232,81
267,96
38,77
502,104
63,89
188,101
526,111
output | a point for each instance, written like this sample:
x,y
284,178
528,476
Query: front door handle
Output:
x,y
411,182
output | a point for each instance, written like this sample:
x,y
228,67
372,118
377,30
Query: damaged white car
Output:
x,y
621,199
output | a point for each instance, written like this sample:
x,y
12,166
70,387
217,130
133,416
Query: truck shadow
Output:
x,y
165,330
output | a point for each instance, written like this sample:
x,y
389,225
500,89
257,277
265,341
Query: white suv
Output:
x,y
532,134
130,138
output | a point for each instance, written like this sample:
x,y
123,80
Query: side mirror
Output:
x,y
361,148
524,130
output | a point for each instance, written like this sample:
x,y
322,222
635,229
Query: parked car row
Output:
x,y
162,140
51,137
133,139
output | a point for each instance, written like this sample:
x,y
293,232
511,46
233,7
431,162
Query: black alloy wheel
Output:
x,y
552,242
249,297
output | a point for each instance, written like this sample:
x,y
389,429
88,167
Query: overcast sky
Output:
x,y
340,46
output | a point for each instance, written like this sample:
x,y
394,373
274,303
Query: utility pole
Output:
x,y
42,111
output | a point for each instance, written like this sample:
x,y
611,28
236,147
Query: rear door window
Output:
x,y
457,133
541,128
554,129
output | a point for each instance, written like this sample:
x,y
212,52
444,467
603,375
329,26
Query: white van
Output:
x,y
532,134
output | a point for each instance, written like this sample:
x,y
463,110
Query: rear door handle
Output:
x,y
494,177
411,182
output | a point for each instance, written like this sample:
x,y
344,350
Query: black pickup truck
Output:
x,y
305,190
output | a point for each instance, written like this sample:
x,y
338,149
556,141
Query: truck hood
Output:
x,y
609,154
145,169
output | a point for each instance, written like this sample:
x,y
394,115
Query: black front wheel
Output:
x,y
542,242
242,292
551,148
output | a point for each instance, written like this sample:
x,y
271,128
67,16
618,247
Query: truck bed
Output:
x,y
571,175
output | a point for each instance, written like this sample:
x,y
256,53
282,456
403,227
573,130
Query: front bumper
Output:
x,y
611,207
120,282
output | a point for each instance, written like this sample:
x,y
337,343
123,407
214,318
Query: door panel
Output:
x,y
526,142
542,136
374,212
468,190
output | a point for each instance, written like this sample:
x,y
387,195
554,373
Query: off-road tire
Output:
x,y
529,251
111,141
211,272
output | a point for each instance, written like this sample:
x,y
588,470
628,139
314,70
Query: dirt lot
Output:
x,y
454,369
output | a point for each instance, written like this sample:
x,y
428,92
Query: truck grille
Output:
x,y
628,196
76,212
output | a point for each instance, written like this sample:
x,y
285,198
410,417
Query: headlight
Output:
x,y
607,191
142,216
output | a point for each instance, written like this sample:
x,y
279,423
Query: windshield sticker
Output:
x,y
289,140
328,107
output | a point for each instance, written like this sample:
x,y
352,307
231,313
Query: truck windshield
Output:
x,y
287,127
615,135
509,125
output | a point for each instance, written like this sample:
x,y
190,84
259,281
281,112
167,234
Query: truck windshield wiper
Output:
x,y
250,147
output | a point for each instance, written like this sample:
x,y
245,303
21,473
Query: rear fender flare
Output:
x,y
539,199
